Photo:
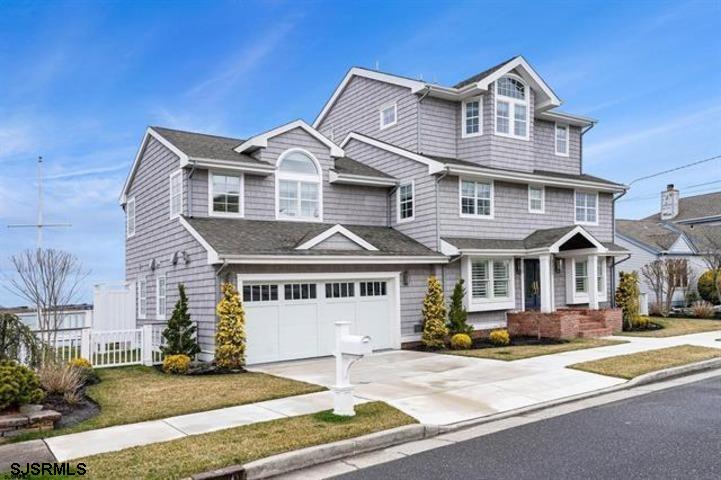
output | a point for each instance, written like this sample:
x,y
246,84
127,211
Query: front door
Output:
x,y
532,284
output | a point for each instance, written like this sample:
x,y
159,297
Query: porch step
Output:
x,y
590,324
595,332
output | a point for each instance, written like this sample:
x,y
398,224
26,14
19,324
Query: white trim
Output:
x,y
535,79
212,253
128,232
491,303
382,109
543,199
449,249
512,104
261,141
350,179
158,314
575,221
337,229
556,126
434,166
300,178
478,99
405,183
332,259
575,120
414,85
209,163
475,216
241,205
177,173
554,248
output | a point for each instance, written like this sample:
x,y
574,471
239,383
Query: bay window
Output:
x,y
476,198
512,108
299,187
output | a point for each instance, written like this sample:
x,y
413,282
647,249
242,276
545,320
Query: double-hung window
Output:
x,y
586,208
406,194
472,117
476,198
176,193
536,198
561,138
142,298
512,107
580,276
226,195
388,115
491,283
601,278
130,218
160,297
299,187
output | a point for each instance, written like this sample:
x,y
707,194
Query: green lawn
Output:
x,y
519,352
137,394
635,364
676,326
186,456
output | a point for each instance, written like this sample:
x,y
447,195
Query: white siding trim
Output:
x,y
337,229
434,166
213,257
261,141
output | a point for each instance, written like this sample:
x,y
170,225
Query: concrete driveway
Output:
x,y
443,389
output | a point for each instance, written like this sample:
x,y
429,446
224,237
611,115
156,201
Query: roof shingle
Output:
x,y
201,145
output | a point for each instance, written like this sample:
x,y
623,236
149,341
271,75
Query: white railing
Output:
x,y
113,348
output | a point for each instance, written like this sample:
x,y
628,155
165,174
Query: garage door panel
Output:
x,y
262,323
373,319
334,311
298,335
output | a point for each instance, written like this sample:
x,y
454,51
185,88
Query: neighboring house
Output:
x,y
73,316
677,231
396,180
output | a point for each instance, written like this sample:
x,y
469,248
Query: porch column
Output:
x,y
593,282
546,271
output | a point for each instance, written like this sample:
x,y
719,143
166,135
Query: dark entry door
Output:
x,y
532,284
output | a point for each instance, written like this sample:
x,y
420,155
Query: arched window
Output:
x,y
512,107
298,186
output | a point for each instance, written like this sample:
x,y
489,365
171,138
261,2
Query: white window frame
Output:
x,y
475,304
575,207
381,119
142,297
572,296
241,200
464,132
412,184
172,194
300,178
475,204
602,287
512,102
543,198
130,219
158,314
561,126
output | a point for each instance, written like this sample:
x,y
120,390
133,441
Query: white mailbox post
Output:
x,y
348,350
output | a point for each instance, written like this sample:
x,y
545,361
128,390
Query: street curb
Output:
x,y
308,457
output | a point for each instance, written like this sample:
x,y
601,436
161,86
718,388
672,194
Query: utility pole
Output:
x,y
40,225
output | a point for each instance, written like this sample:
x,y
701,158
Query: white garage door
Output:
x,y
295,319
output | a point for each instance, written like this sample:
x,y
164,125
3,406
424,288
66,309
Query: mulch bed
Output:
x,y
71,414
515,342
203,368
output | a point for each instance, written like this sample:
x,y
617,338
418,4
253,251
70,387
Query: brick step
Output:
x,y
596,332
591,324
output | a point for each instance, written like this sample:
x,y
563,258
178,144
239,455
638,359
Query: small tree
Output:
x,y
180,332
434,316
230,334
708,242
655,276
17,342
457,314
627,297
706,288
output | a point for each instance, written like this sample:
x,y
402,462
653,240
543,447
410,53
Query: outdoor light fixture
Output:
x,y
152,265
405,278
558,265
518,266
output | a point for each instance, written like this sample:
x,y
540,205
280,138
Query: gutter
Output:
x,y
613,231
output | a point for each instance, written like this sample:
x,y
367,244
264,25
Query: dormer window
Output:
x,y
298,186
512,107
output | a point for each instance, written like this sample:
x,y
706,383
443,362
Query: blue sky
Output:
x,y
80,81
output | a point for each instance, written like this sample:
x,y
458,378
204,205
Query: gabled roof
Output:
x,y
347,165
695,208
656,236
350,172
261,141
264,241
199,149
480,76
315,240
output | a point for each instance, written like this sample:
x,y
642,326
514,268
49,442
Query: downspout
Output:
x,y
418,120
438,228
613,231
388,205
190,188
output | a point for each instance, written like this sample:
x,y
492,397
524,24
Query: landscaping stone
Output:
x,y
19,423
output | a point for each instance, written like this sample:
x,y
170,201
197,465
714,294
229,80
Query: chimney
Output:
x,y
669,203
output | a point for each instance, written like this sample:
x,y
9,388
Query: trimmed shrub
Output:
x,y
706,288
640,323
434,316
702,309
80,363
88,375
180,333
18,385
461,341
457,314
627,298
499,338
230,334
176,364
60,378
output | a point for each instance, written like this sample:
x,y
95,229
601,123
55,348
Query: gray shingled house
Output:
x,y
679,230
396,179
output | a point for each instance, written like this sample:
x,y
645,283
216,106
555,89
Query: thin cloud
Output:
x,y
89,171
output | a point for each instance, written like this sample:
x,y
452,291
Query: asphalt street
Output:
x,y
670,434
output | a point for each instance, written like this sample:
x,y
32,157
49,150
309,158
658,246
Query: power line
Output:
x,y
692,164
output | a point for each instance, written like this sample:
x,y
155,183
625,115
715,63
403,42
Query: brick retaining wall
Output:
x,y
565,324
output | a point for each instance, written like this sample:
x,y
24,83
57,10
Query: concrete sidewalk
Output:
x,y
83,444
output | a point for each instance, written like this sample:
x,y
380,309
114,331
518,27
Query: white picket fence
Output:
x,y
108,348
